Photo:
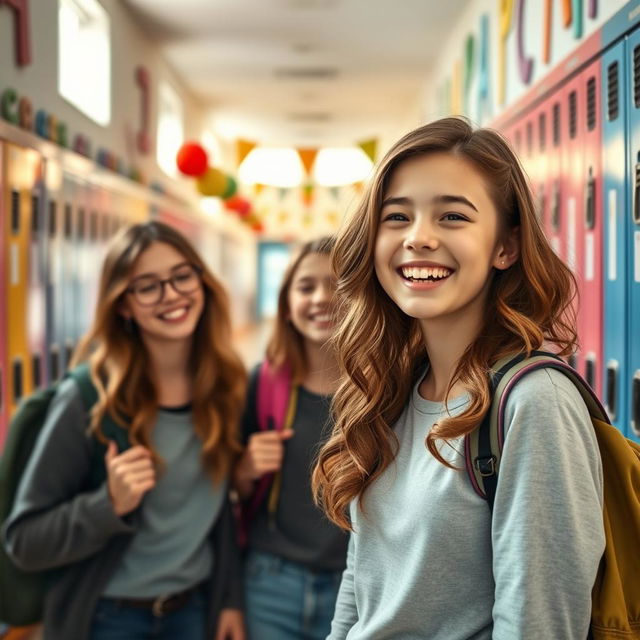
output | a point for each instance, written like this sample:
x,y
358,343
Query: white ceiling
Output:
x,y
302,72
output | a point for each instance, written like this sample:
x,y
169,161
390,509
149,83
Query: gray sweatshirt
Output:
x,y
426,562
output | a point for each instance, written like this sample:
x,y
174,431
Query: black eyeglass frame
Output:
x,y
164,281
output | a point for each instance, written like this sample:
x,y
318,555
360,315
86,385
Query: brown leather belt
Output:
x,y
161,605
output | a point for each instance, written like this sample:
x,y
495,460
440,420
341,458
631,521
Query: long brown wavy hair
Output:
x,y
120,364
286,345
380,350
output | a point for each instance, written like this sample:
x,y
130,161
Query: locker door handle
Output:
x,y
590,208
612,390
635,403
555,207
636,196
590,370
17,380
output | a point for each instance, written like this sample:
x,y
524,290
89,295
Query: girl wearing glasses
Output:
x,y
152,548
295,556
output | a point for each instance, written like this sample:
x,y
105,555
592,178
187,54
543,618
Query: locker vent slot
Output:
x,y
17,380
68,221
556,124
36,363
93,226
542,131
612,391
573,114
635,404
591,104
590,371
105,226
636,76
529,138
541,203
15,212
590,212
81,224
53,212
35,214
613,92
54,362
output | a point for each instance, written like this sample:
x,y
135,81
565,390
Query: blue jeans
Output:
x,y
285,600
113,621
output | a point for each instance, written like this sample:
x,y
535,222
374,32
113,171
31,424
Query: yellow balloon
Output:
x,y
212,182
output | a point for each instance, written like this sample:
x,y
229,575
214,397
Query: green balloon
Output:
x,y
230,189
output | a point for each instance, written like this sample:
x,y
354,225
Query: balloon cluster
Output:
x,y
192,160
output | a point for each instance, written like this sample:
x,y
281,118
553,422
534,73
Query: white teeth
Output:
x,y
425,273
176,313
325,317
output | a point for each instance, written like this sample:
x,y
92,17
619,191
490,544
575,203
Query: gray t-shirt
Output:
x,y
175,518
426,562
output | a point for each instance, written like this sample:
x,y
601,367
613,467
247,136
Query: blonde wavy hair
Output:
x,y
120,365
380,350
286,345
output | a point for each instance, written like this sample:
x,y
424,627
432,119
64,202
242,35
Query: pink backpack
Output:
x,y
276,399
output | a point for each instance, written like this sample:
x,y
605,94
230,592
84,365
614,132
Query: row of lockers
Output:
x,y
580,145
56,222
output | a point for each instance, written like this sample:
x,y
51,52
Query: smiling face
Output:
x,y
438,239
174,317
310,298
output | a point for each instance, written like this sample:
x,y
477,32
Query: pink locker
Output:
x,y
590,230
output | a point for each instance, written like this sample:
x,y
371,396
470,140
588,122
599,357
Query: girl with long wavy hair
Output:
x,y
442,271
151,548
295,556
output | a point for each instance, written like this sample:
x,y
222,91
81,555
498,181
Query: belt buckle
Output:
x,y
157,608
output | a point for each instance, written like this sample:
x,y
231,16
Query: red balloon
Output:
x,y
192,159
238,204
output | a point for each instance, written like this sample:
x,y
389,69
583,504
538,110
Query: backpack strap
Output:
x,y
483,446
276,400
110,428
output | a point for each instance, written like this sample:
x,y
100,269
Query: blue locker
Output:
x,y
633,231
614,192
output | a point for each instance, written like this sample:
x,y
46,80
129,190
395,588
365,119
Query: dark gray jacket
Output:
x,y
59,525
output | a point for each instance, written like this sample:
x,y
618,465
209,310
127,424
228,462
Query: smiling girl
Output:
x,y
442,272
295,556
152,548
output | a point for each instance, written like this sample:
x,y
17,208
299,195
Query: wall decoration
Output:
x,y
243,148
212,182
192,159
143,139
369,147
22,29
307,157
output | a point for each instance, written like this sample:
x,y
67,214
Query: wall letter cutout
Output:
x,y
23,27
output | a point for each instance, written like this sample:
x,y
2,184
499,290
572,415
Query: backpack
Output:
x,y
22,592
276,401
615,610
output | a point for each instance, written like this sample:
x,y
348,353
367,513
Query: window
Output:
x,y
170,129
84,58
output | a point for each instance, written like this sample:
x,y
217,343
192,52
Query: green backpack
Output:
x,y
22,592
615,612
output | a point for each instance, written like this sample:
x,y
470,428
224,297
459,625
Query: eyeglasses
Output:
x,y
149,290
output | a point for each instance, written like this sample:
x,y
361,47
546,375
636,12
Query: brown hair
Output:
x,y
286,345
380,350
120,364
